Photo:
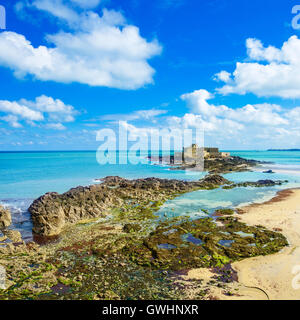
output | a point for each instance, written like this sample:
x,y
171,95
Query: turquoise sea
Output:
x,y
24,176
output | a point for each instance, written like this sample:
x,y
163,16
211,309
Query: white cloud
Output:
x,y
57,9
272,71
133,131
266,114
223,76
56,109
20,110
42,110
55,126
12,120
251,125
197,102
98,51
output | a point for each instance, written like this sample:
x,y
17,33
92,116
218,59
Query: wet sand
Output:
x,y
274,276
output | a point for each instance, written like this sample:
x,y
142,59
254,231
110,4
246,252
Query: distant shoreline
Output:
x,y
283,150
95,150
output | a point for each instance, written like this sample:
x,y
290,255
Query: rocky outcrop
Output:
x,y
256,184
5,218
51,212
215,180
231,164
218,165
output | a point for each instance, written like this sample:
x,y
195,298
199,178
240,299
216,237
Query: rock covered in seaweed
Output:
x,y
256,184
181,245
221,165
52,211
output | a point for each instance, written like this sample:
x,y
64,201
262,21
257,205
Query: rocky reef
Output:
x,y
256,184
221,165
52,212
187,244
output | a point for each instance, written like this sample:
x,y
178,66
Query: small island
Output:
x,y
214,161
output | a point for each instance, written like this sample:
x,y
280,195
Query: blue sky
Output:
x,y
70,68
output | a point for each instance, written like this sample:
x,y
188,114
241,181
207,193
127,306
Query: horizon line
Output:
x,y
95,150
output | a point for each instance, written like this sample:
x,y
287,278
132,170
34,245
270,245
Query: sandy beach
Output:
x,y
272,277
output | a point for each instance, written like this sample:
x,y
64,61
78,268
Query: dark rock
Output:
x,y
268,171
215,179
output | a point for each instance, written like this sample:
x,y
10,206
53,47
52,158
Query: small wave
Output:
x,y
281,168
263,199
21,219
99,181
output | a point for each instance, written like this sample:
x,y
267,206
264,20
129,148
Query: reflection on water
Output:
x,y
190,238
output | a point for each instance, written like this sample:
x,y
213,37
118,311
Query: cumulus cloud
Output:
x,y
268,114
96,50
256,126
248,125
197,102
43,110
20,110
56,109
270,72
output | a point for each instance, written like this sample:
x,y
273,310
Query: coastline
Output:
x,y
131,245
268,277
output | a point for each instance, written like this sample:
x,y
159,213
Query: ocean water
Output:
x,y
24,176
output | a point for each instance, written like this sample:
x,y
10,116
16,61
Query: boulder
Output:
x,y
5,217
13,235
268,171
